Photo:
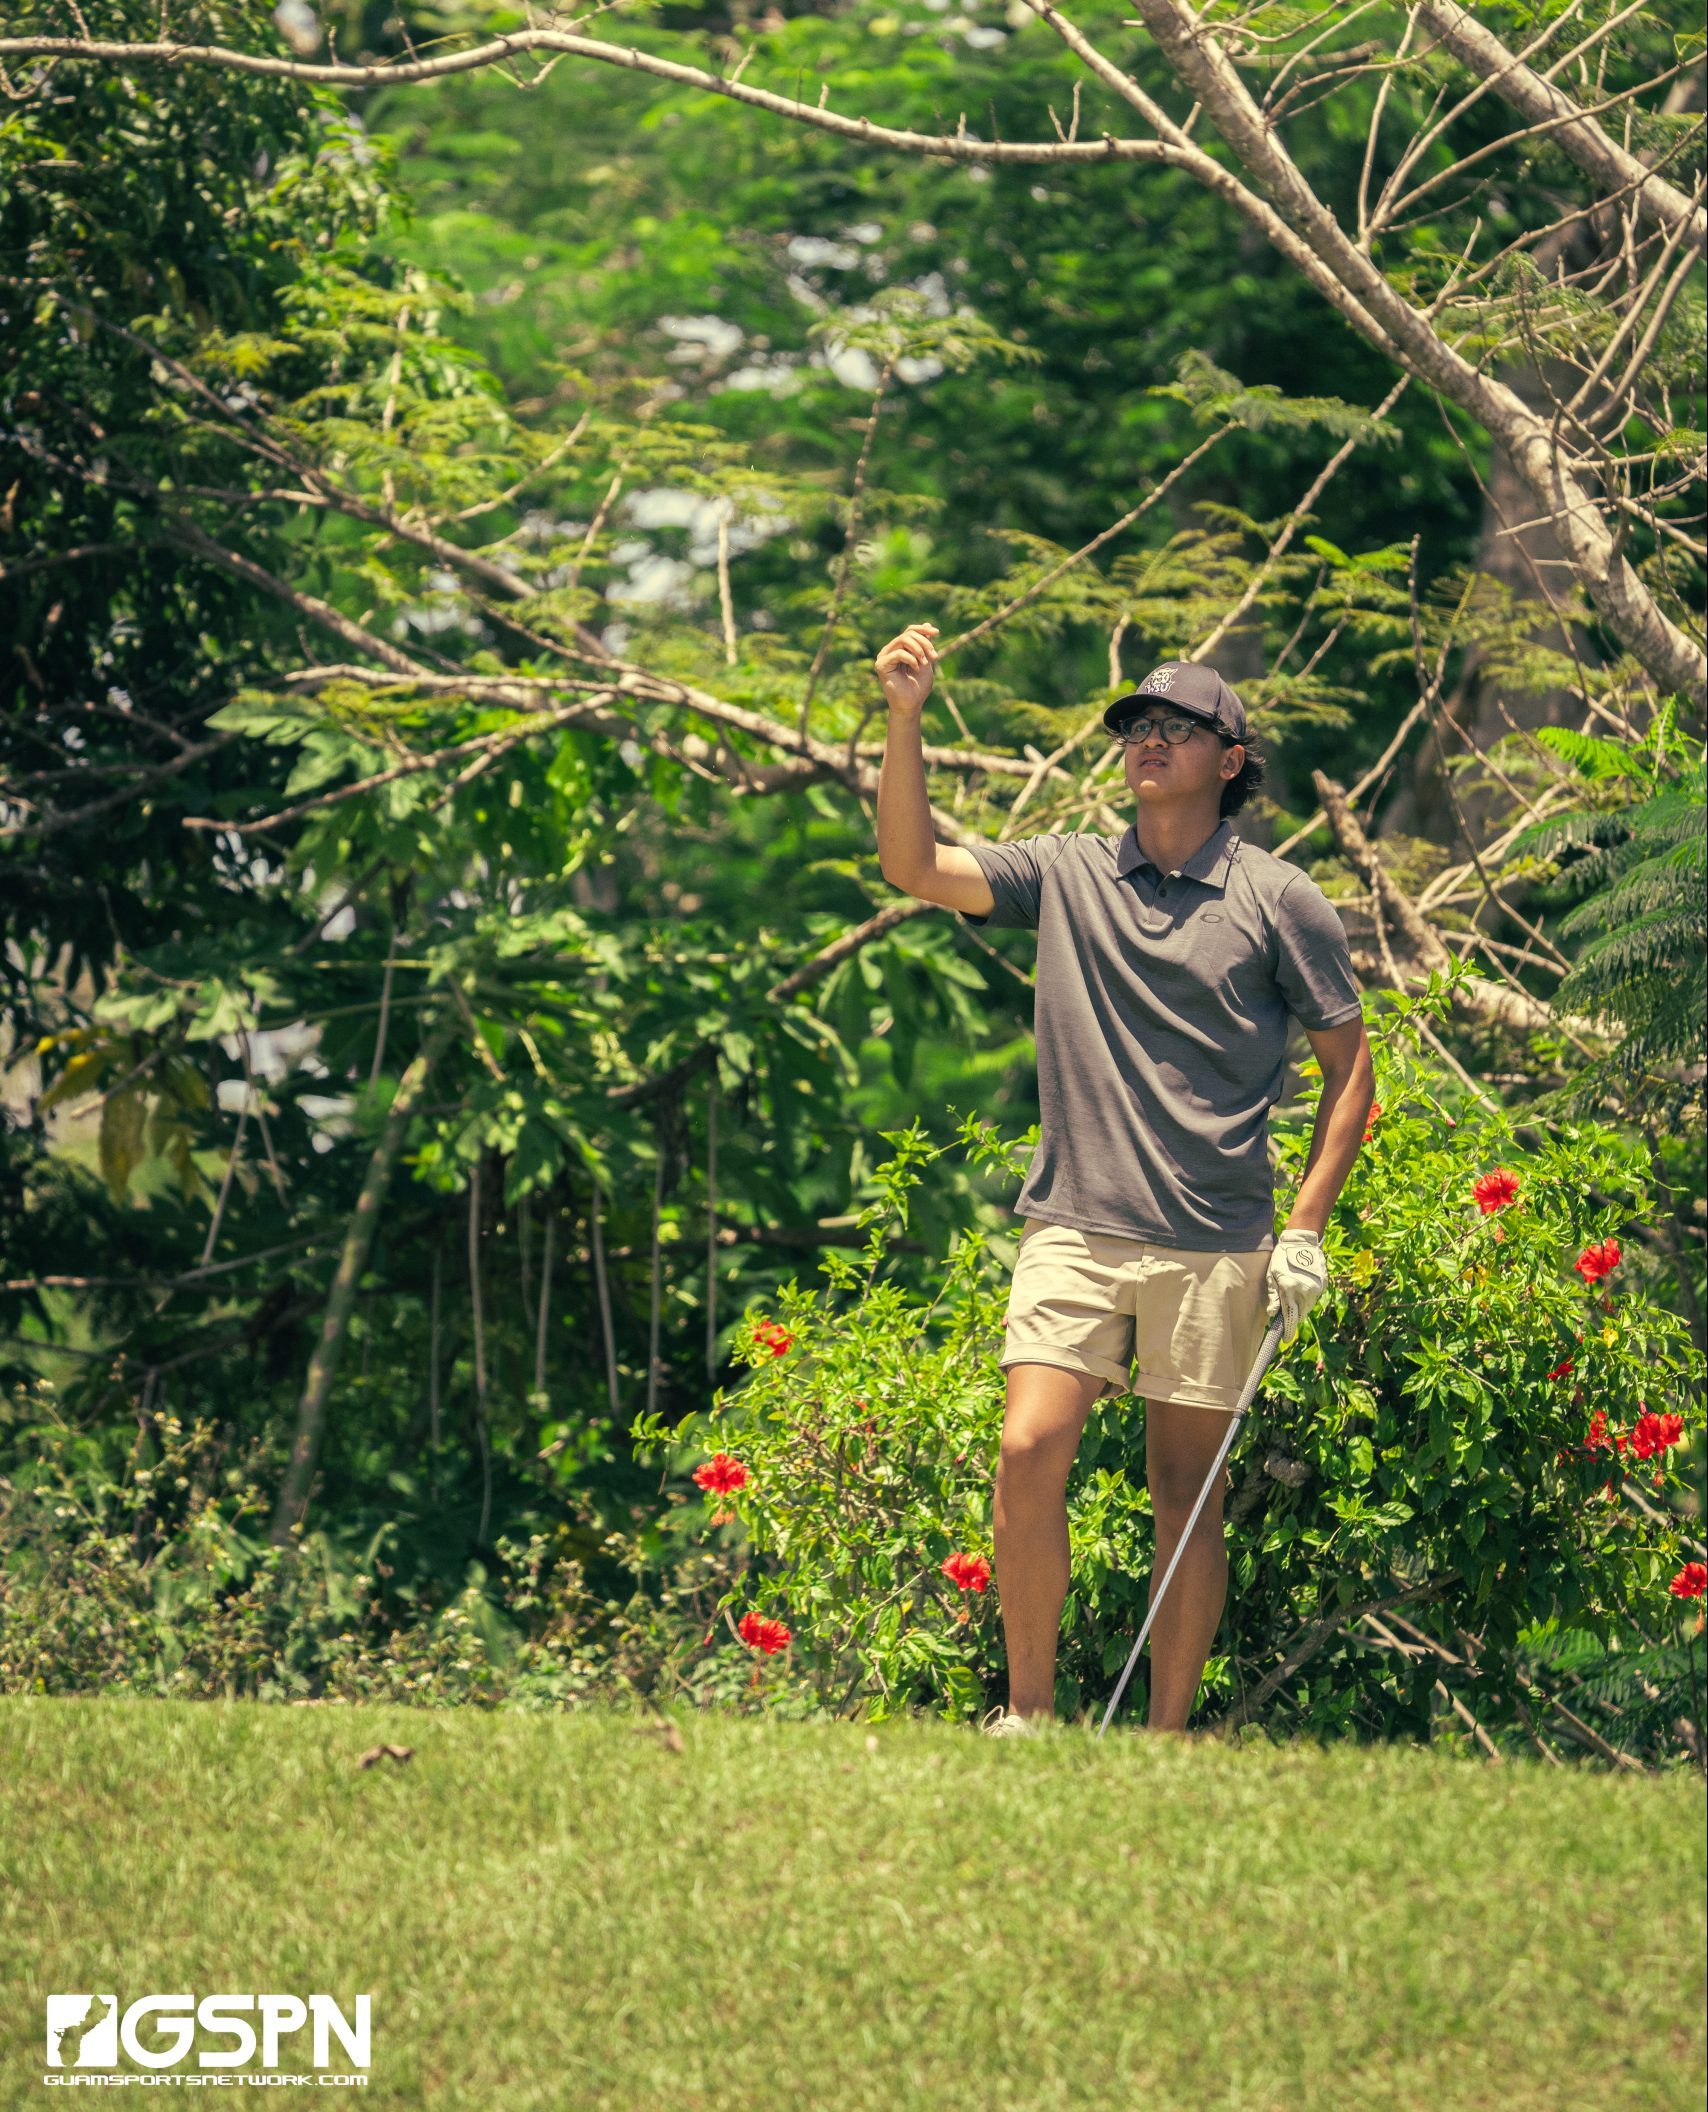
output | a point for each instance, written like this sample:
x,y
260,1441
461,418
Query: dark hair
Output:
x,y
1239,789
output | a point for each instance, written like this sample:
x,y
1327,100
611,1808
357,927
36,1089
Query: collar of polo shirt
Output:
x,y
1209,862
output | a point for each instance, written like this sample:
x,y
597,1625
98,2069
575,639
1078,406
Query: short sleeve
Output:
x,y
1314,963
1016,874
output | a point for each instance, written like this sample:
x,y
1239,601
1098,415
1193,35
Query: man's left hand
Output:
x,y
1298,1276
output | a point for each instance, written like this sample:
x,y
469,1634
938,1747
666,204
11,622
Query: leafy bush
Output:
x,y
1482,1423
1465,1479
153,1574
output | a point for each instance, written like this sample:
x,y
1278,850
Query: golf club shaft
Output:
x,y
1270,1342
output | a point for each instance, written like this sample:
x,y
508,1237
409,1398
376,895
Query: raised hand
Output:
x,y
907,666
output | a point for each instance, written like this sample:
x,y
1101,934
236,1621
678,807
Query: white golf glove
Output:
x,y
1298,1276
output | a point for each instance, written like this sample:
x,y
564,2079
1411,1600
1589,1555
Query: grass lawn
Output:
x,y
559,1911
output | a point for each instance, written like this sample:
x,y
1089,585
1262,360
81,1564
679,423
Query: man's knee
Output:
x,y
1175,1473
1036,1456
1172,1508
1046,1412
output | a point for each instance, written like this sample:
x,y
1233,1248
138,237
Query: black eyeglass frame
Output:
x,y
1125,734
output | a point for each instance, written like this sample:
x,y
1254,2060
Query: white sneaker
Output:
x,y
1006,1723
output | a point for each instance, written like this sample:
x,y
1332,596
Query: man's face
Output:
x,y
1179,774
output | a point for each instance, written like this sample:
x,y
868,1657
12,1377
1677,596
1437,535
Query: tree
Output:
x,y
403,713
1581,468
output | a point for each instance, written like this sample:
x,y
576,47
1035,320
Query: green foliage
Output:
x,y
610,208
1214,394
901,326
1432,1427
146,1570
1641,865
334,711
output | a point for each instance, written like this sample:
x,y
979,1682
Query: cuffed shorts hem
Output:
x,y
1155,1386
1083,1361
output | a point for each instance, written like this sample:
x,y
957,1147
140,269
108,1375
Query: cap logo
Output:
x,y
1159,681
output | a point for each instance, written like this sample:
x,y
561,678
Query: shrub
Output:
x,y
1464,1482
151,1574
1480,1429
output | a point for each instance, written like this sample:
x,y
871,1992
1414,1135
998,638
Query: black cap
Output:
x,y
1198,692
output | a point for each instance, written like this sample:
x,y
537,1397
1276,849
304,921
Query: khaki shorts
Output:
x,y
1189,1322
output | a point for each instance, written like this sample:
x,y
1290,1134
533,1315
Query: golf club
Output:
x,y
1265,1353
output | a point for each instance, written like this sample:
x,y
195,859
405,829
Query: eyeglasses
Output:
x,y
1175,729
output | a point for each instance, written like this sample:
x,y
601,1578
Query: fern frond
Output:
x,y
1590,754
1595,835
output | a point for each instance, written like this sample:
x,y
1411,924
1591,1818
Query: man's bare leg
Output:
x,y
1180,1443
1045,1413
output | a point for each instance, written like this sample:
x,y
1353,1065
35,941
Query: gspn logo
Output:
x,y
88,2031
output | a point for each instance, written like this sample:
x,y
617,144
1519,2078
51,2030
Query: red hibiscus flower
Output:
x,y
970,1572
774,1336
1562,1367
1370,1119
1493,1191
1652,1433
1600,1438
1598,1261
721,1474
1691,1581
762,1633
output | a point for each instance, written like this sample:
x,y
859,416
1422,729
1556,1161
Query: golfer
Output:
x,y
1170,959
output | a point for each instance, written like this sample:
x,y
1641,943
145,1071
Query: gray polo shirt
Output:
x,y
1161,1027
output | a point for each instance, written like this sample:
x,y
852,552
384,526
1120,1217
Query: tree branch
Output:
x,y
1311,1638
1625,603
1538,101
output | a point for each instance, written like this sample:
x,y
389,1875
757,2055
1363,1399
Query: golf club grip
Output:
x,y
1265,1357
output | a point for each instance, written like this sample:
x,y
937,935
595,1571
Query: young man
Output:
x,y
1170,960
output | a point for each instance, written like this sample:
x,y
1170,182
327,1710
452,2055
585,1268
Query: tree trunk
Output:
x,y
1526,563
292,1505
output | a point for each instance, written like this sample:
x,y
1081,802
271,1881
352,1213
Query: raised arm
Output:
x,y
909,855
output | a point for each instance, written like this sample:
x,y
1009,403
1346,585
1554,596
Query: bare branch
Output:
x,y
855,500
1302,229
291,1506
1428,134
1539,101
1104,535
503,738
198,543
1625,602
957,146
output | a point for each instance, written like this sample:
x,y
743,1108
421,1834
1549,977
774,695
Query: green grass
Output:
x,y
556,1911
